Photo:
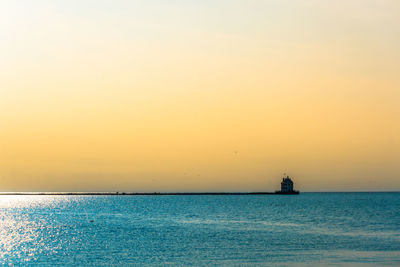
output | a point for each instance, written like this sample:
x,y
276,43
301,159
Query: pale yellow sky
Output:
x,y
199,95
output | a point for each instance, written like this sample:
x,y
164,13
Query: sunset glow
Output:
x,y
199,95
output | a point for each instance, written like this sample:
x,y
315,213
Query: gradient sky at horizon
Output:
x,y
199,95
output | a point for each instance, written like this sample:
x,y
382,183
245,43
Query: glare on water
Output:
x,y
22,237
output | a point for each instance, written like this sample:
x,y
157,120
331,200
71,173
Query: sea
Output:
x,y
310,229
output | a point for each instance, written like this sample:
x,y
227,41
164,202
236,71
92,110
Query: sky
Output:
x,y
206,95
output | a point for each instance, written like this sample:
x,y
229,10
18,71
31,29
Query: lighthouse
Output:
x,y
287,186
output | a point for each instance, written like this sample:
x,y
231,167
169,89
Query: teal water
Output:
x,y
310,229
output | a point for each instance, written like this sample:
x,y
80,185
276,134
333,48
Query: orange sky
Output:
x,y
199,95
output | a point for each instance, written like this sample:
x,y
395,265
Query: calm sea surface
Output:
x,y
311,229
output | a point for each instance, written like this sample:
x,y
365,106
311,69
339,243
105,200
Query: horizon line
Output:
x,y
127,193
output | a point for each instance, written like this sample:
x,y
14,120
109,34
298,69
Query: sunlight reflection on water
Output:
x,y
22,237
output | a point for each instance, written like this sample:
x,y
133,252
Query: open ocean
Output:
x,y
310,229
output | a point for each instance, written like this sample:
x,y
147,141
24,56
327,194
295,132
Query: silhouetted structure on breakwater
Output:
x,y
287,187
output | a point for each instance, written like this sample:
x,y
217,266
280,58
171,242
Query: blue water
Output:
x,y
311,229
